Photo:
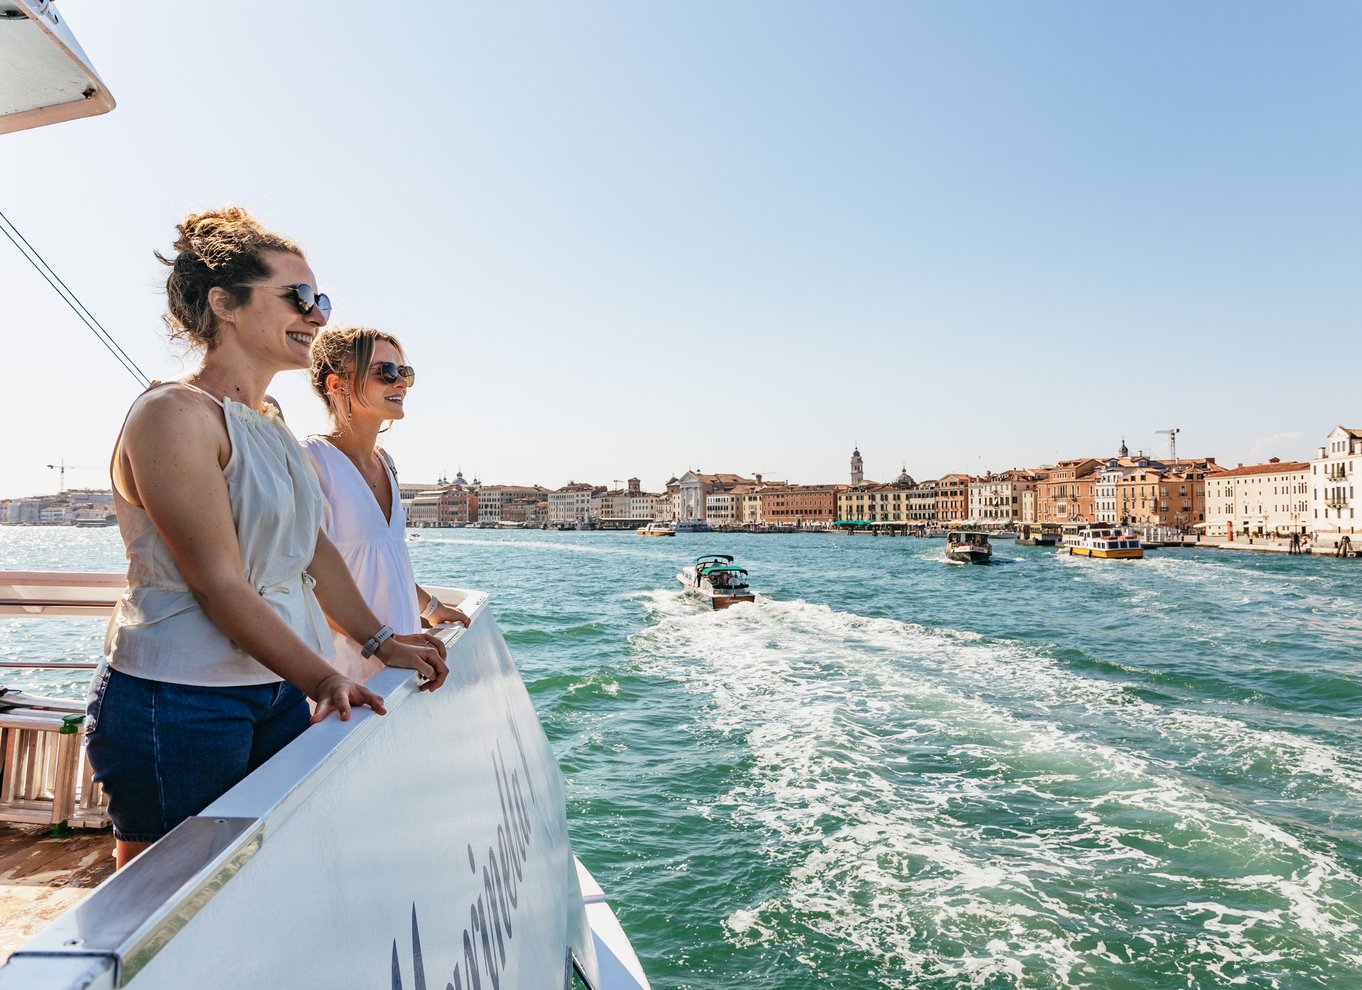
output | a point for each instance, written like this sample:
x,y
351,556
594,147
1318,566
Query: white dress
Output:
x,y
374,548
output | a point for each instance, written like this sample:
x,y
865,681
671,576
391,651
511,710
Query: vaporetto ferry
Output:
x,y
1100,541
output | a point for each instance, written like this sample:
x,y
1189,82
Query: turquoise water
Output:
x,y
892,772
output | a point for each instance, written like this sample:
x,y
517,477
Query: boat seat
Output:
x,y
45,778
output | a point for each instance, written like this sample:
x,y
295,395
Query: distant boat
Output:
x,y
656,529
716,579
968,548
692,526
1038,534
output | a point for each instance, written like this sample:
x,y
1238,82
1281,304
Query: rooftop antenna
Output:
x,y
1172,443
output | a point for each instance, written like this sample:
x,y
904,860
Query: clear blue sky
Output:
x,y
627,239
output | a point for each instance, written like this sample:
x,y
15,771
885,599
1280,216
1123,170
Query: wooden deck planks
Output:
x,y
40,877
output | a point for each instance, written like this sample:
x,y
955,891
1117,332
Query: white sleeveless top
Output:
x,y
374,548
159,631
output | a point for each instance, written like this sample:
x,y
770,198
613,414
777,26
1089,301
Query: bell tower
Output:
x,y
857,467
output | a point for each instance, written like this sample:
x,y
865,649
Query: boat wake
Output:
x,y
963,811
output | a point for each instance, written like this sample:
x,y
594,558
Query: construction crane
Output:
x,y
62,467
1172,443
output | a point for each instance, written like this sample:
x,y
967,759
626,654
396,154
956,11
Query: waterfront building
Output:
x,y
1333,482
995,500
1068,492
922,504
627,505
952,498
1106,504
1259,499
870,502
800,506
571,505
1163,497
458,506
443,504
72,507
423,509
723,508
493,499
530,510
690,492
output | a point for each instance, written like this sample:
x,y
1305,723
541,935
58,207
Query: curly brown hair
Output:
x,y
220,248
339,351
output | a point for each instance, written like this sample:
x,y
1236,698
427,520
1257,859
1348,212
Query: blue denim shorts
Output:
x,y
164,752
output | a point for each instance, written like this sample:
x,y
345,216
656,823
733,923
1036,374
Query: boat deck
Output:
x,y
40,877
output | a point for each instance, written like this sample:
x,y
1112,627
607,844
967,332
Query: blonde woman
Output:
x,y
222,634
362,376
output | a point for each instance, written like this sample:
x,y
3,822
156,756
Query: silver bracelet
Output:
x,y
431,606
372,644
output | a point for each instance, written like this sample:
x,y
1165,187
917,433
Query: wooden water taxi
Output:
x,y
716,579
968,548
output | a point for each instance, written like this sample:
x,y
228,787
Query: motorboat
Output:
x,y
715,579
1101,541
692,526
656,529
968,547
426,847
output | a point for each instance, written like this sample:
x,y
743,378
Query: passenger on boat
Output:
x,y
221,636
363,513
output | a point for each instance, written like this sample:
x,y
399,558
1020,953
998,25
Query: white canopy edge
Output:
x,y
45,76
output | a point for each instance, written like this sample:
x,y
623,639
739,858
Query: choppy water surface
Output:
x,y
892,772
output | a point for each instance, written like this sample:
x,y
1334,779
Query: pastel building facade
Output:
x,y
1259,499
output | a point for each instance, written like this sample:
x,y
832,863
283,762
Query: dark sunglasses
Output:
x,y
390,373
304,297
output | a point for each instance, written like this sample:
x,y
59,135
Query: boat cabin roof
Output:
x,y
726,558
733,570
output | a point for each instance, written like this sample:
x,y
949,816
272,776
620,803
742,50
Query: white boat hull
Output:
x,y
427,847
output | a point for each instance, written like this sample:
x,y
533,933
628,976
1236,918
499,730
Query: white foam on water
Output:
x,y
938,801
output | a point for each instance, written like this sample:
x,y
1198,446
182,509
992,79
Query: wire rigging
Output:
x,y
40,264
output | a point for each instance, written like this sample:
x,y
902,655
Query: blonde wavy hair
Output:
x,y
341,351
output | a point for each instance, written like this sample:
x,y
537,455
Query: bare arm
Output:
x,y
348,611
443,613
170,462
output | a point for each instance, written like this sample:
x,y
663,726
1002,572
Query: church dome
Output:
x,y
905,479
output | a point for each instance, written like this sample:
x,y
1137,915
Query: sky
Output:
x,y
630,239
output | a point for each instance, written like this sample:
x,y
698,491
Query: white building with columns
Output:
x,y
1334,479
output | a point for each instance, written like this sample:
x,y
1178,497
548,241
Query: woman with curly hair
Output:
x,y
222,634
